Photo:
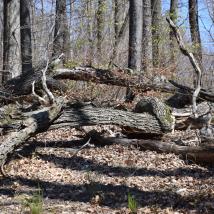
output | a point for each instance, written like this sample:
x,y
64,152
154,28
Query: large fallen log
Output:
x,y
86,115
37,121
203,153
124,79
22,85
111,77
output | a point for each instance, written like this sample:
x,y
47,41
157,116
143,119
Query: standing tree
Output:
x,y
135,34
173,16
116,28
135,39
1,39
156,28
194,30
90,49
100,26
119,29
26,48
147,37
11,40
61,42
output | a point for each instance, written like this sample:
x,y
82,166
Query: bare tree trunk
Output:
x,y
156,28
61,34
100,27
135,34
120,36
26,46
147,37
11,40
173,17
90,49
116,28
135,39
194,30
1,39
116,18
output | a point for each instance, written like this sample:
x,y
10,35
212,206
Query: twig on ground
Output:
x,y
82,147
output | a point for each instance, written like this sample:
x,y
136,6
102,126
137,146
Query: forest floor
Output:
x,y
99,179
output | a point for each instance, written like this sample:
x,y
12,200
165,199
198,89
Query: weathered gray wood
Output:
x,y
203,153
36,122
77,116
122,78
111,77
193,61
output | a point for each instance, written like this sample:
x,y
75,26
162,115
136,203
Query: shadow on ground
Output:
x,y
113,196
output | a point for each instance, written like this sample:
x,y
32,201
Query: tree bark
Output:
x,y
87,115
61,42
135,40
135,34
1,39
147,37
194,30
116,29
173,16
90,48
156,29
111,77
26,46
119,38
100,27
11,40
37,121
121,78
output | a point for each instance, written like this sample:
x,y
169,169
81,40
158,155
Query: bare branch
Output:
x,y
44,84
193,61
41,99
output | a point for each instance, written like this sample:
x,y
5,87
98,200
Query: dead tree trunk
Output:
x,y
80,115
121,78
36,122
201,154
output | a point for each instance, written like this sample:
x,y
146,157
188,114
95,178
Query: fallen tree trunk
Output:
x,y
22,85
110,77
202,154
85,115
203,94
37,121
124,79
